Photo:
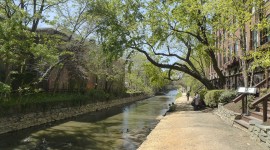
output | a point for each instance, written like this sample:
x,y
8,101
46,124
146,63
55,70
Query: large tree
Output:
x,y
26,54
174,30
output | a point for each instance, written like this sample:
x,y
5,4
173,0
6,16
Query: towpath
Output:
x,y
186,129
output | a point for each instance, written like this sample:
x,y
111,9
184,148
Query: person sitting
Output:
x,y
197,101
172,107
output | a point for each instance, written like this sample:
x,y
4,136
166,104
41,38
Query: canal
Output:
x,y
117,128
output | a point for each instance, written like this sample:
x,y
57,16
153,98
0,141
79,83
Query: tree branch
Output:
x,y
163,54
178,67
186,32
169,76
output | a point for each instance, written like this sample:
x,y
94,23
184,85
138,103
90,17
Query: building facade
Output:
x,y
231,50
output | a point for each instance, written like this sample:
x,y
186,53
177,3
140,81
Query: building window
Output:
x,y
236,48
230,52
265,34
254,39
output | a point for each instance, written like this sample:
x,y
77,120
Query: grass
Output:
x,y
47,101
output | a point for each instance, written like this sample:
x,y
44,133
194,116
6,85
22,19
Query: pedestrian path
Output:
x,y
186,129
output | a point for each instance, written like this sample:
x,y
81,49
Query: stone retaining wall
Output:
x,y
17,122
259,133
227,115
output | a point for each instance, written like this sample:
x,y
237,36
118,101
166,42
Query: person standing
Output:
x,y
188,94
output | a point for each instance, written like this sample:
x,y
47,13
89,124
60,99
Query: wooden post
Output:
x,y
265,110
235,82
266,76
243,105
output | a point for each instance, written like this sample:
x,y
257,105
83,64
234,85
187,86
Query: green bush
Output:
x,y
212,97
4,88
227,96
202,93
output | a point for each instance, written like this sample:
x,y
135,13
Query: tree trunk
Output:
x,y
56,82
222,79
245,73
36,20
96,82
243,44
181,68
110,86
7,73
207,84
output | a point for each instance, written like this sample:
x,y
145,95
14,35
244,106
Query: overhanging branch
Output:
x,y
163,54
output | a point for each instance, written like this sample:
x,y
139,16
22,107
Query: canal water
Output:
x,y
116,128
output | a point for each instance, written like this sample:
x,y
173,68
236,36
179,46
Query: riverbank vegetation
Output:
x,y
81,45
213,97
53,51
39,102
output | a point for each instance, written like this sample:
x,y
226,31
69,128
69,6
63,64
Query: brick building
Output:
x,y
75,73
231,51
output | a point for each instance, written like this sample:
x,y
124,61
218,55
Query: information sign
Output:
x,y
247,90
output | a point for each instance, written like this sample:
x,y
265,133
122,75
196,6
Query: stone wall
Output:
x,y
227,115
17,122
259,133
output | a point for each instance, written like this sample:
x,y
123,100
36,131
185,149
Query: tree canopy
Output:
x,y
173,30
173,35
178,31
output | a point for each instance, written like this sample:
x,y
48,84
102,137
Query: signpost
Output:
x,y
247,91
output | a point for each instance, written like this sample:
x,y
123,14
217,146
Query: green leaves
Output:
x,y
4,88
12,47
155,76
261,58
144,77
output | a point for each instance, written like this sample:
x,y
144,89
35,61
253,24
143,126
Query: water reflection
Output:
x,y
119,128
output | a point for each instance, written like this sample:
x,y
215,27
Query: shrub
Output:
x,y
211,97
97,94
202,93
227,96
4,90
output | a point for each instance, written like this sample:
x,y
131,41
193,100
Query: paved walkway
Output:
x,y
196,130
